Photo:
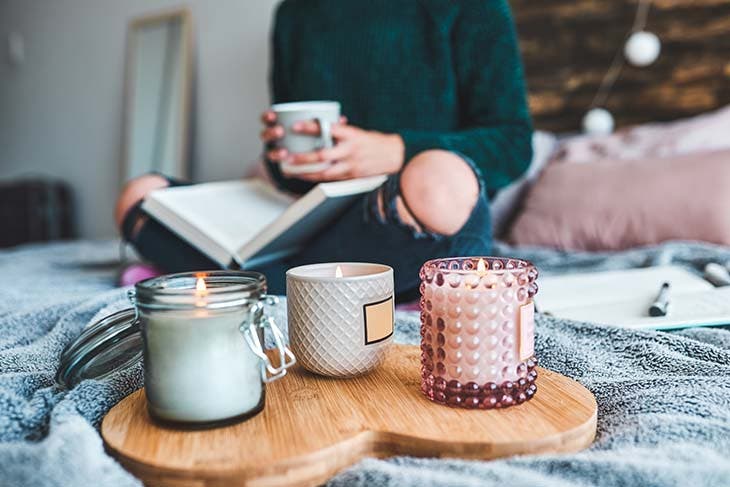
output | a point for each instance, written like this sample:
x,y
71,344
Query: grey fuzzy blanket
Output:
x,y
664,398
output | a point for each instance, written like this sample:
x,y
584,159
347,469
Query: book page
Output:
x,y
231,212
305,218
703,308
622,298
249,220
557,293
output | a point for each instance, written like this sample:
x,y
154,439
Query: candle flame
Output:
x,y
201,290
481,267
338,271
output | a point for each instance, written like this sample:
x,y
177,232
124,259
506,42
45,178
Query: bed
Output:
x,y
664,398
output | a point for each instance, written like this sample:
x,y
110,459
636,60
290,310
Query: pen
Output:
x,y
717,274
660,306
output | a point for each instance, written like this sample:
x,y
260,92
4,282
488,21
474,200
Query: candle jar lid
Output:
x,y
114,343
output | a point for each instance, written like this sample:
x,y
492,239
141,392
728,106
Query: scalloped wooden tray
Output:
x,y
313,427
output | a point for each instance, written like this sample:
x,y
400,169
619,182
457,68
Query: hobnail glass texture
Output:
x,y
473,330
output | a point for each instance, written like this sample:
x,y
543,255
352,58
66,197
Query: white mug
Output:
x,y
325,113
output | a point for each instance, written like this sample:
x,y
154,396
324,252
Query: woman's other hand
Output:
x,y
357,153
272,132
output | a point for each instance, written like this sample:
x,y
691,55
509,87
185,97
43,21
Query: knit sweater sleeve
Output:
x,y
497,128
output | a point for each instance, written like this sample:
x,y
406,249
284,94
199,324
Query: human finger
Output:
x,y
270,134
268,117
340,131
277,155
335,153
306,127
336,172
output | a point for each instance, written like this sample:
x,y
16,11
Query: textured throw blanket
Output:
x,y
664,398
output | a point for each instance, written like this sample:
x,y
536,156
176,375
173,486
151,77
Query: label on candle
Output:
x,y
527,331
379,318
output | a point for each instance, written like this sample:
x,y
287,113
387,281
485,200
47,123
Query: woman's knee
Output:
x,y
440,189
134,191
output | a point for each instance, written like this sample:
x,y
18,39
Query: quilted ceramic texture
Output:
x,y
327,327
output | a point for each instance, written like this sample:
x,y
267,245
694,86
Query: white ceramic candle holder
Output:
x,y
340,316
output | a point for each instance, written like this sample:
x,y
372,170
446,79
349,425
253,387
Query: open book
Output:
x,y
246,223
623,298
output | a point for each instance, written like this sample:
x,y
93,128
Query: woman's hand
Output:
x,y
357,153
272,131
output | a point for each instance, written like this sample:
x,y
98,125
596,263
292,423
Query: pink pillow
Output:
x,y
615,205
708,131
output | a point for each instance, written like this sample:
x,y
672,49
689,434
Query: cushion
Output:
x,y
506,202
614,205
708,131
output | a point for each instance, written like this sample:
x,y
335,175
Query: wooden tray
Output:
x,y
312,427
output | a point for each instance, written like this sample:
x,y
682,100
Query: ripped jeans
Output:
x,y
363,233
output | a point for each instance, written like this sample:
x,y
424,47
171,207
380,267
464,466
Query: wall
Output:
x,y
568,45
61,110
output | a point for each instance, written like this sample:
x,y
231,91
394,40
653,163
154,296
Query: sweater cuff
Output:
x,y
292,185
416,142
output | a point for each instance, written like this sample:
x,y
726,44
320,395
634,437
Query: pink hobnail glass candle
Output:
x,y
478,331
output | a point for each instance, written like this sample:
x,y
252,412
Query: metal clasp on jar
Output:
x,y
269,373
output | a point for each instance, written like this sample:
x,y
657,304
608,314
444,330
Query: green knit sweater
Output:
x,y
444,74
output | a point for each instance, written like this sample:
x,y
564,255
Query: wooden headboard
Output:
x,y
567,46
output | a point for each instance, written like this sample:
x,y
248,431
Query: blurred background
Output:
x,y
62,95
93,92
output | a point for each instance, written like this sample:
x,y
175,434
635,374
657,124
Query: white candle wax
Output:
x,y
198,367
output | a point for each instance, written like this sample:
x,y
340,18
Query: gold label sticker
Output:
x,y
527,331
379,318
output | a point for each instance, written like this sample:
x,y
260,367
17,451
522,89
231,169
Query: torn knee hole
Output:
x,y
396,212
406,217
381,206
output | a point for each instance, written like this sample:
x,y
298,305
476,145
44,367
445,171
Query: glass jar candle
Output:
x,y
203,338
477,331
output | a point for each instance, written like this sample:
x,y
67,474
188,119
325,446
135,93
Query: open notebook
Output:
x,y
246,223
622,298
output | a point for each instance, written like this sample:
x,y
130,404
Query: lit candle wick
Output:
x,y
338,271
481,268
201,290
